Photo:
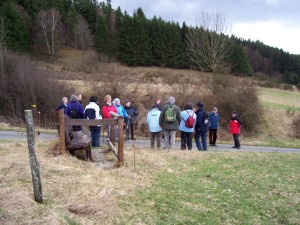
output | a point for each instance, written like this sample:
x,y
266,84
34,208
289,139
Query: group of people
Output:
x,y
110,109
190,122
163,121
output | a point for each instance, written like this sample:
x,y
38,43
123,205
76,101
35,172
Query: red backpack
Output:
x,y
190,120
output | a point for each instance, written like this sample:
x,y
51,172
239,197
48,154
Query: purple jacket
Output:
x,y
78,106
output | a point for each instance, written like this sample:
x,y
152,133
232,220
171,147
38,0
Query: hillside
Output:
x,y
135,40
82,71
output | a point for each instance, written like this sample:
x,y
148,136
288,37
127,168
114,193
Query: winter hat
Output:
x,y
93,99
126,101
115,101
172,100
200,105
234,112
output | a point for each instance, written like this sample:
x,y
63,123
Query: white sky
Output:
x,y
274,22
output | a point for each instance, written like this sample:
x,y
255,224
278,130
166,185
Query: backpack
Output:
x,y
90,114
74,112
170,115
190,120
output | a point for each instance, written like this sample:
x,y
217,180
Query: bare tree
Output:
x,y
208,47
49,22
3,47
83,35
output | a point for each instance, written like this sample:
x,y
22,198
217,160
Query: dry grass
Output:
x,y
73,190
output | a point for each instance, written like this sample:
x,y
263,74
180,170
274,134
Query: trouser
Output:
x,y
157,136
186,140
95,134
129,131
212,136
236,140
203,145
170,139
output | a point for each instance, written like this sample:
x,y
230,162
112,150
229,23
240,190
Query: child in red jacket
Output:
x,y
235,125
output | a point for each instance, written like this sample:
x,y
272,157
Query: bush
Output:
x,y
296,125
24,84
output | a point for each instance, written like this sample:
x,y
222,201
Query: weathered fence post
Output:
x,y
120,141
34,164
61,119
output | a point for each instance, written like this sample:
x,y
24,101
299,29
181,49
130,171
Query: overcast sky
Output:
x,y
274,22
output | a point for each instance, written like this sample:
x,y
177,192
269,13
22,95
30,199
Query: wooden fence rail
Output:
x,y
66,121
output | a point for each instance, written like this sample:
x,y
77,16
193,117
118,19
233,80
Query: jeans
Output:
x,y
186,140
157,136
212,136
170,139
95,133
200,146
236,140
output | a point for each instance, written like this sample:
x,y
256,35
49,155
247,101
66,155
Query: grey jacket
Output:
x,y
170,126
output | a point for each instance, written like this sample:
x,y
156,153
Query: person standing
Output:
x,y
201,128
92,111
235,129
79,98
75,111
186,126
108,111
132,113
153,124
169,120
121,111
63,105
213,126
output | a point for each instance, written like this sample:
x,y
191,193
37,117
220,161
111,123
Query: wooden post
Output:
x,y
120,141
34,164
61,119
112,133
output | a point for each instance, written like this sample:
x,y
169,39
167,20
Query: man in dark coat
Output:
x,y
201,128
132,113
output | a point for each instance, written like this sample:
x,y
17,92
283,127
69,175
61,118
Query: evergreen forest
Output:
x,y
38,27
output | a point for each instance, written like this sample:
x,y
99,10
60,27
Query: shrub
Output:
x,y
296,125
24,84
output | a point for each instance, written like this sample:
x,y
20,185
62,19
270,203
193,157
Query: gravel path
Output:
x,y
21,136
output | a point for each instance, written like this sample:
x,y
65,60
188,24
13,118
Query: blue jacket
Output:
x,y
200,127
184,117
78,106
214,120
153,120
121,111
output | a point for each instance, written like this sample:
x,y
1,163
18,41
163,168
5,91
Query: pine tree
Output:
x,y
239,61
18,38
102,36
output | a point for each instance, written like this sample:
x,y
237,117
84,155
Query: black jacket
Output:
x,y
201,126
132,112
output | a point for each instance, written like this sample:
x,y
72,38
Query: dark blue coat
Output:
x,y
214,120
200,125
61,106
78,106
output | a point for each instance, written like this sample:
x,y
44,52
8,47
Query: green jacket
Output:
x,y
170,126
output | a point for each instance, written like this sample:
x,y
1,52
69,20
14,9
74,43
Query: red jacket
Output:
x,y
106,109
235,126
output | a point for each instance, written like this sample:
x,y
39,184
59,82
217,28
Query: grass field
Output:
x,y
219,188
176,187
272,98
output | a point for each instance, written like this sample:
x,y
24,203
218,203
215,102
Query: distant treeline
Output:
x,y
36,26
